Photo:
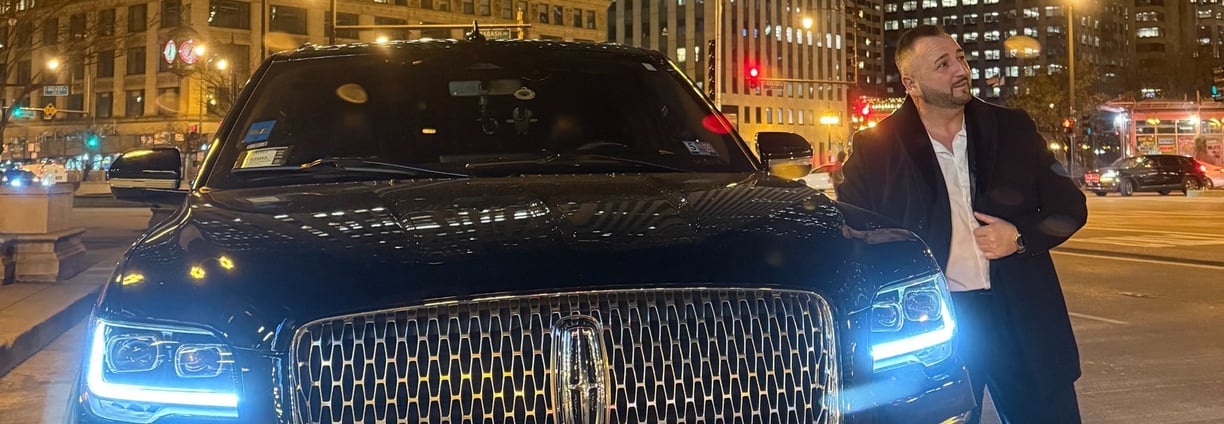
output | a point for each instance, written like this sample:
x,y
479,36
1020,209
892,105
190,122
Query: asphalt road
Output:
x,y
1144,282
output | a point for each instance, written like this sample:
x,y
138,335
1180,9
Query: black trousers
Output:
x,y
993,358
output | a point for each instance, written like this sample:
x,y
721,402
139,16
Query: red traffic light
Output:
x,y
754,72
865,110
1067,123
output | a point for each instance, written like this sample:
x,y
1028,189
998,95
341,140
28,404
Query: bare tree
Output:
x,y
42,40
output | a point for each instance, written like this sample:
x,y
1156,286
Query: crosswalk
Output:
x,y
1155,240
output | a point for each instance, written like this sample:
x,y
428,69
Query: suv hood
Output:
x,y
242,261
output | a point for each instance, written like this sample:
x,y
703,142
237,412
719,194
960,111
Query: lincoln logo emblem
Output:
x,y
579,374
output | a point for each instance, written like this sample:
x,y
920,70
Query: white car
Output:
x,y
1215,175
819,178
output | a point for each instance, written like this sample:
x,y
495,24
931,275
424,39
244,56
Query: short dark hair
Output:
x,y
905,45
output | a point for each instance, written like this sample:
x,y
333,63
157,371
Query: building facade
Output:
x,y
1005,40
798,49
865,35
121,90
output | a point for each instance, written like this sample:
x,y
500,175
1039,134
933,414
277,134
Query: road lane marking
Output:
x,y
1137,230
1141,260
1096,318
1168,240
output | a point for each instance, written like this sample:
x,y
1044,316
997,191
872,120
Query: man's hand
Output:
x,y
996,239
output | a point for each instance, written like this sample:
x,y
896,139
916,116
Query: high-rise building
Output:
x,y
796,48
865,36
1005,40
1210,31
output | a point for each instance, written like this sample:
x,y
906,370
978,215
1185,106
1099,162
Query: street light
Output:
x,y
828,121
222,64
807,22
53,64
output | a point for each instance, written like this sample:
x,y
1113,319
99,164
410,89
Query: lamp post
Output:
x,y
828,121
1071,83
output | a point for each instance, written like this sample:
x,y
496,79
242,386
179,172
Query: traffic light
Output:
x,y
1217,86
754,77
91,141
17,111
1067,124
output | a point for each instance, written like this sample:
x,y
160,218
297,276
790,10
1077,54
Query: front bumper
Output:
x,y
1104,184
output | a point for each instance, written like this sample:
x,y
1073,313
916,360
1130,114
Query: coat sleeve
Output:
x,y
855,189
1062,209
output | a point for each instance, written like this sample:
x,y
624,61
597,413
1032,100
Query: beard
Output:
x,y
947,99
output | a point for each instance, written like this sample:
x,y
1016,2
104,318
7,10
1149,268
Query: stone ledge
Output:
x,y
49,257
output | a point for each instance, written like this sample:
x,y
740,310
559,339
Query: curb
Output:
x,y
34,321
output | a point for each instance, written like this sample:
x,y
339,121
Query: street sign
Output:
x,y
499,33
55,90
49,111
773,85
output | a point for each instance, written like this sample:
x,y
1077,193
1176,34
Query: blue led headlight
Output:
x,y
140,372
912,323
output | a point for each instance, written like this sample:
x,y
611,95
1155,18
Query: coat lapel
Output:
x,y
917,142
981,126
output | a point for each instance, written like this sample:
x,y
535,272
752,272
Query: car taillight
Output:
x,y
1203,168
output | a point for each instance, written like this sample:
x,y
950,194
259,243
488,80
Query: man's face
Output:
x,y
938,74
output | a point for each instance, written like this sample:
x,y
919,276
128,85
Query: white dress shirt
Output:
x,y
968,268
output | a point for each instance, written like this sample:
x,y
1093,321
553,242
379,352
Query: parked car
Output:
x,y
819,178
1215,175
17,177
1159,173
509,231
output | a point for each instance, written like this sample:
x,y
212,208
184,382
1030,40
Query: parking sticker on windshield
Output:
x,y
700,148
272,156
259,131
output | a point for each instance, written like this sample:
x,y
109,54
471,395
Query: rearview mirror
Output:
x,y
787,155
499,87
150,176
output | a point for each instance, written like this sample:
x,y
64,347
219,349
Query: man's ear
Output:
x,y
910,86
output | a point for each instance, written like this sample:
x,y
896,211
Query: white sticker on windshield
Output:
x,y
700,148
648,67
272,156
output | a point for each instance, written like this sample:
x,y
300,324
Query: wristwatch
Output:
x,y
1019,242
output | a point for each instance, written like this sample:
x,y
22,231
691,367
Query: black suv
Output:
x,y
1159,173
509,231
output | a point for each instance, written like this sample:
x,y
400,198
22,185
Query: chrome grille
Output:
x,y
674,355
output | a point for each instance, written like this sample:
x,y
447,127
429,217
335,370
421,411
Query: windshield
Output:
x,y
474,112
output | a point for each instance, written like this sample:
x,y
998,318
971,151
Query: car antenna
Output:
x,y
475,35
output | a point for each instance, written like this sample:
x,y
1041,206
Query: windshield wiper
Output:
x,y
350,165
576,159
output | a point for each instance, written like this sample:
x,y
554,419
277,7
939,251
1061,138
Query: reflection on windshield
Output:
x,y
454,112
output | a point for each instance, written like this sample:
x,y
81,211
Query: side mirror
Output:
x,y
149,176
787,155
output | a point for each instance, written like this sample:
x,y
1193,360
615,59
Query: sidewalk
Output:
x,y
34,314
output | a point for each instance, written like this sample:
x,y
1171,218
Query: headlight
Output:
x,y
911,323
139,373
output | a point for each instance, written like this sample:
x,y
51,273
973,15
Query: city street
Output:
x,y
1144,282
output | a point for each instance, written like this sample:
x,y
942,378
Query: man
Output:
x,y
977,183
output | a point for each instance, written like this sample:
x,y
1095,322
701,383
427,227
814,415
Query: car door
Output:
x,y
1146,173
1170,171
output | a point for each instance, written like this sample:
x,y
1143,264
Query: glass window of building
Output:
x,y
229,14
135,61
50,32
104,105
76,27
134,106
1148,32
171,13
106,22
288,19
590,19
138,18
106,63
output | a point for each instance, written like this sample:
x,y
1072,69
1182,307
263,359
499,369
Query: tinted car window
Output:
x,y
483,114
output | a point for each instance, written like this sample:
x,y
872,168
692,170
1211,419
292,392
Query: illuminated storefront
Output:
x,y
1175,128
